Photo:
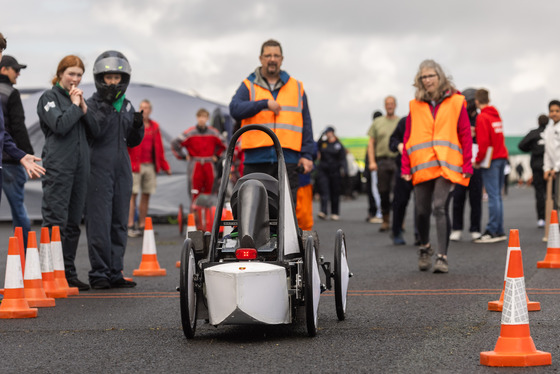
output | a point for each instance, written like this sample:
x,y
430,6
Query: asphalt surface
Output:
x,y
399,320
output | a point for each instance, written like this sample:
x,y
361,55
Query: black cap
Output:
x,y
10,62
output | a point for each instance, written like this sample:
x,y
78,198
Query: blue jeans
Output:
x,y
493,179
14,178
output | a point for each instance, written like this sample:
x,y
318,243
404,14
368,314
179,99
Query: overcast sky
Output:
x,y
348,54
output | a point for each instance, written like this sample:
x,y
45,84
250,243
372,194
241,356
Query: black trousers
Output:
x,y
401,196
540,191
474,191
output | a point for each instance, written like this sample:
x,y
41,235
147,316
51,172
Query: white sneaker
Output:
x,y
540,223
455,235
475,235
335,217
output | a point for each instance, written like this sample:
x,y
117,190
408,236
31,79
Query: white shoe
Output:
x,y
335,217
540,223
475,235
455,235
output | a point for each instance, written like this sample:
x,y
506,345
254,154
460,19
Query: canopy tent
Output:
x,y
173,110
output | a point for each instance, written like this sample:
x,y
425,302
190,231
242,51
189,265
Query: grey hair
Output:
x,y
445,82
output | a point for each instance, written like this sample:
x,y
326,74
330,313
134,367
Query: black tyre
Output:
x,y
312,287
341,275
181,219
188,292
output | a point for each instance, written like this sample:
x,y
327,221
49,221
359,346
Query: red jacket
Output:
x,y
159,157
489,133
199,143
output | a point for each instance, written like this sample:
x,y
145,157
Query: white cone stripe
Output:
x,y
191,228
515,303
57,256
553,236
149,243
32,265
13,278
45,258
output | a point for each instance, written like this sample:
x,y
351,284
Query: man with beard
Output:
x,y
270,97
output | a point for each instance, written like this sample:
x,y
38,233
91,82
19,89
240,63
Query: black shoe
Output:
x,y
100,284
123,283
75,282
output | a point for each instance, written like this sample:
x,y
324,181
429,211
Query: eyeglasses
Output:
x,y
269,57
431,76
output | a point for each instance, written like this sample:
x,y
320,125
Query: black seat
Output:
x,y
271,185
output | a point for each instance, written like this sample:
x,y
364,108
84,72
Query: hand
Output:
x,y
476,165
168,172
83,105
400,147
467,175
274,106
33,169
306,164
373,166
406,177
138,120
76,95
549,174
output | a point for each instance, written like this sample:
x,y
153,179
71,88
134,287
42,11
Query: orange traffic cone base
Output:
x,y
16,308
515,359
178,264
498,305
149,267
551,259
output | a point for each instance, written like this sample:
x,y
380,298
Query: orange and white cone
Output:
x,y
47,271
497,305
58,263
552,257
32,279
227,216
515,347
191,226
14,304
18,233
149,266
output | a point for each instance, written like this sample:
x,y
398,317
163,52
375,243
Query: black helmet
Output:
x,y
111,62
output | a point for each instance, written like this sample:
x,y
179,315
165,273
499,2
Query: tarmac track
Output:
x,y
399,320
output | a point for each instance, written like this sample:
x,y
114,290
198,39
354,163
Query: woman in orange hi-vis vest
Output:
x,y
437,155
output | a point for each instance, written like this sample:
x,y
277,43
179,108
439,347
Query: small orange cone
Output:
x,y
58,263
47,272
497,305
552,257
191,226
149,266
14,304
32,279
18,233
515,347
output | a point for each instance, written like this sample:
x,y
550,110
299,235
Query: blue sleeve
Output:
x,y
242,107
10,147
307,142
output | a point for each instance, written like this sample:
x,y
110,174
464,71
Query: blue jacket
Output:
x,y
241,107
7,144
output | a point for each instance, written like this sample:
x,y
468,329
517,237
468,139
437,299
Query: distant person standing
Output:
x,y
332,159
146,161
533,142
374,200
474,188
13,173
204,145
381,159
492,158
551,160
69,126
437,155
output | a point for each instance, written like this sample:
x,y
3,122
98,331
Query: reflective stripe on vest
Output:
x,y
287,125
433,146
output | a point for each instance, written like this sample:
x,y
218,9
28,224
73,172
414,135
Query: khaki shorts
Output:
x,y
144,181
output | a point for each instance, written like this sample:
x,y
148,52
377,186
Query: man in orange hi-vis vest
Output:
x,y
270,97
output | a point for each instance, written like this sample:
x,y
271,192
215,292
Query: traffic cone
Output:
x,y
149,266
497,305
14,304
515,347
58,263
47,272
191,226
552,257
32,279
18,233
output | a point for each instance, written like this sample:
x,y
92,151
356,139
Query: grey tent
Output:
x,y
173,110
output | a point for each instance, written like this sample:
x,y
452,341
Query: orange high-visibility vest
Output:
x,y
287,125
433,147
